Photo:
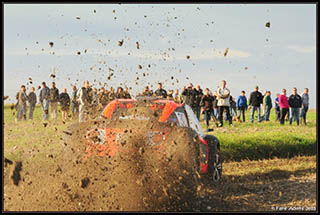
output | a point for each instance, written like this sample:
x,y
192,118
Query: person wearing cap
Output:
x,y
32,99
223,95
54,99
255,101
44,98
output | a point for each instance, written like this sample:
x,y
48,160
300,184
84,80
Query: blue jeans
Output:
x,y
253,109
303,114
31,110
294,113
267,113
45,109
242,110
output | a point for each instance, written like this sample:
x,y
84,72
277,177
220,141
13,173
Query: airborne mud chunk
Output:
x,y
84,182
226,52
120,43
268,24
15,174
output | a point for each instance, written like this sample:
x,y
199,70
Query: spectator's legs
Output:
x,y
31,110
291,115
54,108
207,117
198,112
253,109
229,117
259,116
220,109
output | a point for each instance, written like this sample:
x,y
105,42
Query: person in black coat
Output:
x,y
199,95
255,101
295,103
160,92
64,100
206,104
190,97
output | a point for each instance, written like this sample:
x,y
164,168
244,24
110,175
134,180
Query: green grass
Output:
x,y
253,141
266,140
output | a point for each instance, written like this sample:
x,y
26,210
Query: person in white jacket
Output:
x,y
223,96
85,97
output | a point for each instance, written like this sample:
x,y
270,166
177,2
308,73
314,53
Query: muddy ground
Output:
x,y
151,178
43,188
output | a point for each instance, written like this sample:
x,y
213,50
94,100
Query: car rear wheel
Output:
x,y
215,160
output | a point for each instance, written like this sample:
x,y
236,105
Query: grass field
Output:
x,y
243,141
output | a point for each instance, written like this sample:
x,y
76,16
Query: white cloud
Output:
x,y
302,49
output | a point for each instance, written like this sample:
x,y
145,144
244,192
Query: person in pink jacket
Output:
x,y
284,106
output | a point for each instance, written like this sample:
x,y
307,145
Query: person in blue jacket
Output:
x,y
242,105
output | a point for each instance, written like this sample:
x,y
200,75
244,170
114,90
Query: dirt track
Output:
x,y
152,180
271,191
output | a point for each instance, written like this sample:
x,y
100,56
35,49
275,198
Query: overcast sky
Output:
x,y
86,46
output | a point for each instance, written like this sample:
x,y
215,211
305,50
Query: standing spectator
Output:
x,y
102,98
170,95
22,103
284,106
177,97
111,94
161,92
242,105
199,95
277,107
223,95
95,96
54,98
215,105
44,98
183,97
119,94
146,91
126,93
74,102
295,103
85,98
263,105
267,103
206,104
32,99
64,100
305,105
190,97
255,101
233,107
